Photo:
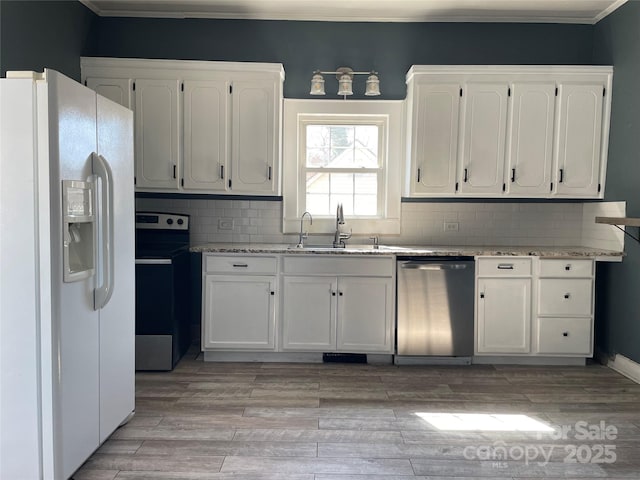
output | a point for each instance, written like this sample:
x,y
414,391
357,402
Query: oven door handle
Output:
x,y
153,261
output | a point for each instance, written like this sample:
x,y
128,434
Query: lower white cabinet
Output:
x,y
365,314
309,313
564,323
503,305
344,314
239,312
239,305
532,306
338,313
298,303
503,315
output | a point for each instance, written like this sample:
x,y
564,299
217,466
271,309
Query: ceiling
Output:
x,y
535,11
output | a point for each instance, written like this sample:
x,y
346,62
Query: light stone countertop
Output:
x,y
412,250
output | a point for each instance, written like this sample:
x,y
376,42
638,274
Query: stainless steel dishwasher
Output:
x,y
435,306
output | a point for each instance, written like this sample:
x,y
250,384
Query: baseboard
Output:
x,y
525,360
625,366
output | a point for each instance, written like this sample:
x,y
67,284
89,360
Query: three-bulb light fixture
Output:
x,y
345,82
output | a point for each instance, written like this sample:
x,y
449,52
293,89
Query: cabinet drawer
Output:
x,y
565,297
512,266
240,264
564,335
339,265
566,268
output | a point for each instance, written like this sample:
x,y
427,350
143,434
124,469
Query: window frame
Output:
x,y
343,120
388,115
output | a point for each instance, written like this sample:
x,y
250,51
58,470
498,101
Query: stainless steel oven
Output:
x,y
162,290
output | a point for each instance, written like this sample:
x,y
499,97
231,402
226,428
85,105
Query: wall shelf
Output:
x,y
617,221
627,221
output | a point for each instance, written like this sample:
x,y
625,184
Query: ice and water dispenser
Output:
x,y
78,230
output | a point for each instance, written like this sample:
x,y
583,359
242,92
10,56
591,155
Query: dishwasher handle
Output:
x,y
433,266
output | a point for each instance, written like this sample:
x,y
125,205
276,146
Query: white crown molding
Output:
x,y
303,12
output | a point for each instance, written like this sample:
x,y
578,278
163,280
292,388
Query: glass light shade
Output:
x,y
373,86
317,84
344,85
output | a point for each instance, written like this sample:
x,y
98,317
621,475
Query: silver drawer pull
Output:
x,y
240,265
505,266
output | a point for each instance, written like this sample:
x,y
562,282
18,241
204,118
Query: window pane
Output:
x,y
337,147
318,183
342,136
365,205
342,146
342,183
318,204
318,157
366,183
318,136
367,138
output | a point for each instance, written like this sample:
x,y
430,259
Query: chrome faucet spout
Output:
x,y
303,234
339,237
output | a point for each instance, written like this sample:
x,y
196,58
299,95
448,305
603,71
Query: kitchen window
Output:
x,y
343,152
341,164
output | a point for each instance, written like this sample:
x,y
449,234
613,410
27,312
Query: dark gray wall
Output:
x,y
617,43
389,48
52,34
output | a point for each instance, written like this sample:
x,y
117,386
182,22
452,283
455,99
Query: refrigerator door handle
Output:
x,y
102,294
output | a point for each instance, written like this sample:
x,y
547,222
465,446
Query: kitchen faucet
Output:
x,y
303,234
339,237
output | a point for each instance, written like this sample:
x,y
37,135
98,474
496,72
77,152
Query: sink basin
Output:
x,y
310,247
349,246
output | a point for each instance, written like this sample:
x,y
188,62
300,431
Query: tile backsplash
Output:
x,y
478,223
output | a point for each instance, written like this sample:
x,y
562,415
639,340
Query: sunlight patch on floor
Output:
x,y
484,422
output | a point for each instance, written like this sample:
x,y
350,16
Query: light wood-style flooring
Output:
x,y
261,421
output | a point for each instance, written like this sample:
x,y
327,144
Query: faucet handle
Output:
x,y
376,240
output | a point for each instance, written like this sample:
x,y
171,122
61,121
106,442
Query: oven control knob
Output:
x,y
180,221
170,221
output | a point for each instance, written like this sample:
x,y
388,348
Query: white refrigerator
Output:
x,y
67,325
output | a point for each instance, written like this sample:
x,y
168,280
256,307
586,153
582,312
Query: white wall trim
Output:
x,y
625,366
393,113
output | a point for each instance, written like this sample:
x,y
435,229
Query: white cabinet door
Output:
x,y
365,314
157,127
115,89
206,135
531,139
255,132
579,139
483,148
239,312
434,138
503,315
309,313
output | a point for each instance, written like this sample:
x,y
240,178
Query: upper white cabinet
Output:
x,y
530,146
118,90
578,143
206,146
433,138
483,140
507,131
255,147
156,133
201,127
